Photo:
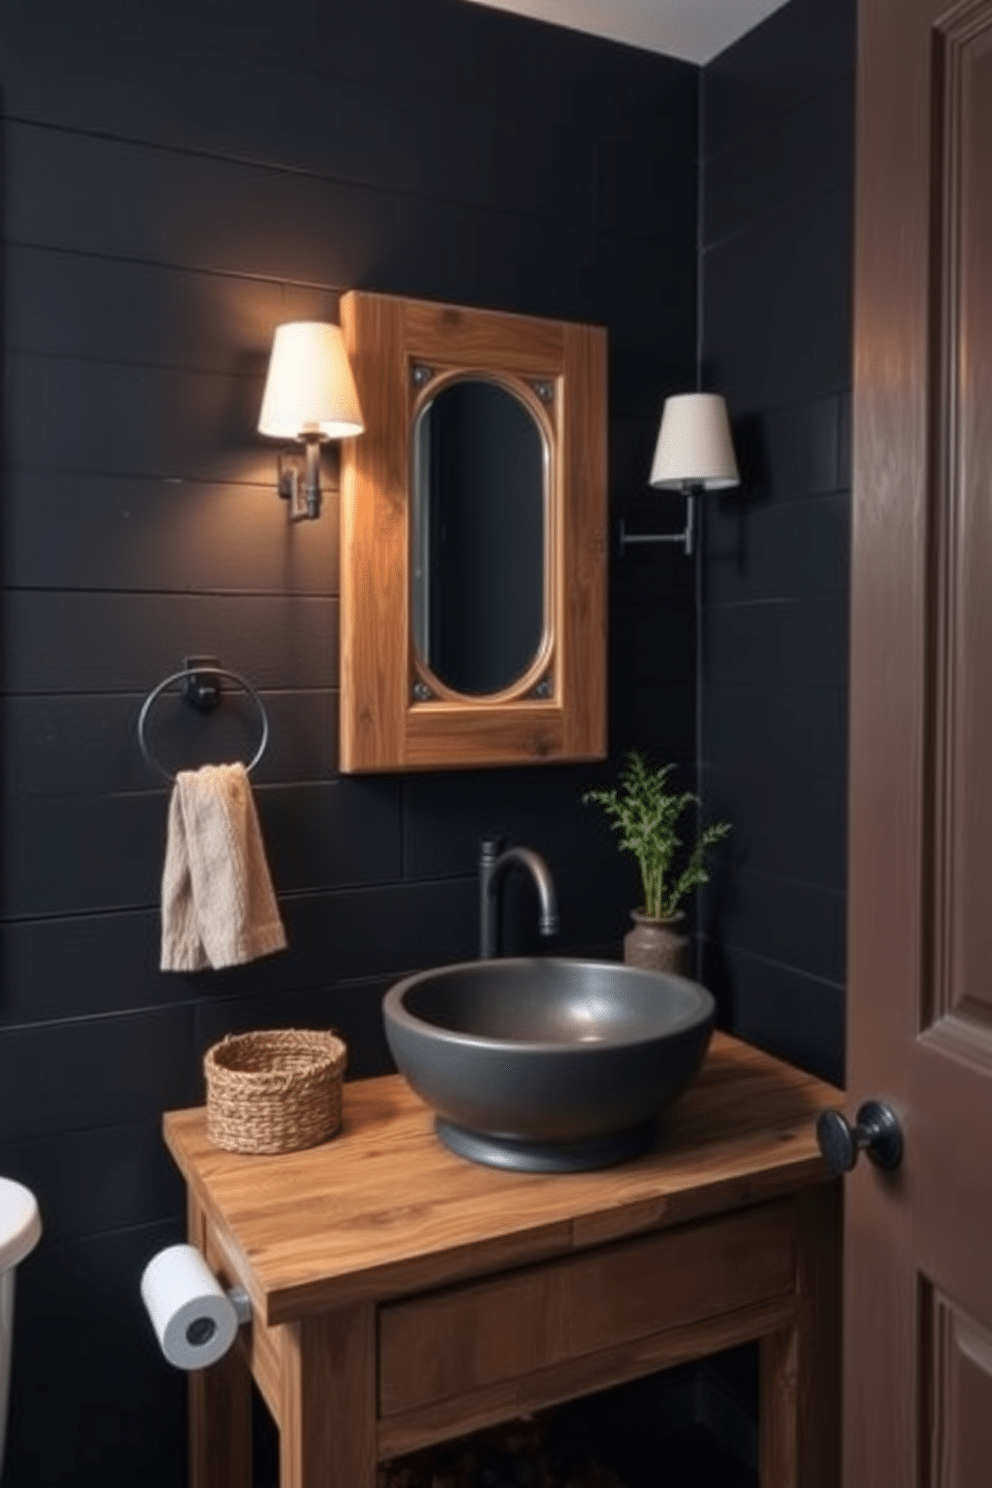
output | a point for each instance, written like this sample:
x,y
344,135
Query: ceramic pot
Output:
x,y
657,945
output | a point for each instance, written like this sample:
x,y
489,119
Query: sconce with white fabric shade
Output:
x,y
694,452
309,396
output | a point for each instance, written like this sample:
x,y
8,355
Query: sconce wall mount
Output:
x,y
694,453
309,397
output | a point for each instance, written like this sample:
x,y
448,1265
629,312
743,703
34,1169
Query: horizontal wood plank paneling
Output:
x,y
424,133
775,725
91,853
178,180
91,1181
757,83
802,642
89,306
778,130
790,452
334,936
197,212
352,1009
378,39
444,818
127,642
779,304
785,821
121,1405
785,920
79,744
91,1072
788,550
796,1016
71,415
162,535
805,153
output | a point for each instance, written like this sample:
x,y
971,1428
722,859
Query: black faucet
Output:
x,y
493,863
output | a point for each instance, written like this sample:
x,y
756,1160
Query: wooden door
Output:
x,y
918,1242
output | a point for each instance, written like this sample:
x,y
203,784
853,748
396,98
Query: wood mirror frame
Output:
x,y
385,725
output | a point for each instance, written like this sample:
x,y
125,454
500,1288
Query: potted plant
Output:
x,y
645,816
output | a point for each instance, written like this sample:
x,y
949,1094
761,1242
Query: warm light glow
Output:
x,y
694,446
309,389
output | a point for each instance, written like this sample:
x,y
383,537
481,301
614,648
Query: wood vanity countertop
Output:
x,y
383,1210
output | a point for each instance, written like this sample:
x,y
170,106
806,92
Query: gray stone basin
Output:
x,y
547,1064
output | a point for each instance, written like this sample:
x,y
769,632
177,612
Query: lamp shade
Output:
x,y
694,445
309,389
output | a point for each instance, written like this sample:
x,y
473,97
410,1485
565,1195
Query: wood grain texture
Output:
x,y
466,1338
580,1376
779,1455
327,1426
919,1026
373,581
919,688
582,624
384,1209
257,1351
382,728
485,339
219,1398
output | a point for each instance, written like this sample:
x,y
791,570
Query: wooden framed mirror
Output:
x,y
473,539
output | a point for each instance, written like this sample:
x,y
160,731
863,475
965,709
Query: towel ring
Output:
x,y
200,688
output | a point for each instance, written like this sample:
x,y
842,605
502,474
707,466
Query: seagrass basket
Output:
x,y
274,1091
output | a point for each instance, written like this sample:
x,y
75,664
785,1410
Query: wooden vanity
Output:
x,y
402,1296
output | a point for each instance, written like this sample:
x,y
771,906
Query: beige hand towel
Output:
x,y
218,905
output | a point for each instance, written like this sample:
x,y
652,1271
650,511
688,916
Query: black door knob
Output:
x,y
877,1132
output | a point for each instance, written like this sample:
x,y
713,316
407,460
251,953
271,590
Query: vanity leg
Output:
x,y
220,1424
818,1214
800,1365
779,1410
327,1433
219,1405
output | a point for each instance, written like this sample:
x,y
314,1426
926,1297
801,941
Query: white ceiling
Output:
x,y
695,30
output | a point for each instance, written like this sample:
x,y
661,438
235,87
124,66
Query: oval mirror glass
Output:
x,y
479,531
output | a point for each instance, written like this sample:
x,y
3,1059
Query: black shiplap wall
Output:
x,y
778,159
177,179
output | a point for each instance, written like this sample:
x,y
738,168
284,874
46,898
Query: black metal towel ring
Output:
x,y
200,687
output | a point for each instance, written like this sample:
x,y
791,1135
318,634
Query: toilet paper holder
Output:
x,y
194,1317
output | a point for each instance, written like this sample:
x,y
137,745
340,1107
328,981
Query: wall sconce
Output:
x,y
694,453
309,396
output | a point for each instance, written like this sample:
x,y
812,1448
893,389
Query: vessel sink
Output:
x,y
547,1064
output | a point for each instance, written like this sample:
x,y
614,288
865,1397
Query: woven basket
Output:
x,y
274,1091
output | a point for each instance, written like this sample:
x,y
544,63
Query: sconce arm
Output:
x,y
302,491
685,537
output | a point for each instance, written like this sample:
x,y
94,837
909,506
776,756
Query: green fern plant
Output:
x,y
645,816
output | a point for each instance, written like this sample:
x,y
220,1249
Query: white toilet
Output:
x,y
20,1231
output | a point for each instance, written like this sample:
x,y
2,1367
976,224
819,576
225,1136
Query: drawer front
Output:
x,y
449,1343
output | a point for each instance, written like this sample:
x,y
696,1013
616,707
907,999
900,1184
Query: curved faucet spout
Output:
x,y
492,866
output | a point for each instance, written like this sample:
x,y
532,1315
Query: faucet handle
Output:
x,y
489,849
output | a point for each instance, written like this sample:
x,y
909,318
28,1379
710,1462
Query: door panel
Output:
x,y
967,371
918,1304
957,1398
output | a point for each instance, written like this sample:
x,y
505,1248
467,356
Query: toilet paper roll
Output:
x,y
193,1317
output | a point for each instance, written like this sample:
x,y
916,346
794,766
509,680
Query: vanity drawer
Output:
x,y
449,1343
